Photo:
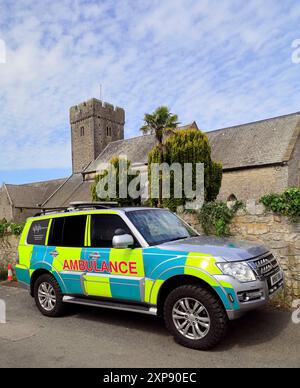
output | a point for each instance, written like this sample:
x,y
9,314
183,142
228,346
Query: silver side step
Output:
x,y
110,305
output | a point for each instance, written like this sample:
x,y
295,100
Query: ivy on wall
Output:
x,y
286,204
215,217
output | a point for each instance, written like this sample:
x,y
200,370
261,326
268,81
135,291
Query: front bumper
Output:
x,y
252,295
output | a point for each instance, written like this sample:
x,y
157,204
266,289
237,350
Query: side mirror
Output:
x,y
122,241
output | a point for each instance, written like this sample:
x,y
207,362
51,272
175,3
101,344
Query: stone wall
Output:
x,y
273,231
279,235
8,251
254,182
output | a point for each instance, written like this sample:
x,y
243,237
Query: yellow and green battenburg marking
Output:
x,y
149,269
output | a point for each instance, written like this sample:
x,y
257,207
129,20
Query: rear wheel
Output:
x,y
48,296
195,317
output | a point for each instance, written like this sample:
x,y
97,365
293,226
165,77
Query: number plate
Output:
x,y
276,278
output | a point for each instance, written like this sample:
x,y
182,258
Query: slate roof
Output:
x,y
188,126
136,149
31,194
260,143
73,189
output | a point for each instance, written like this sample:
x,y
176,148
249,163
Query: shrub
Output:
x,y
4,228
10,227
215,217
17,229
286,203
188,146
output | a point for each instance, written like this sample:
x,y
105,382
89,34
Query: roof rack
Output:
x,y
92,205
73,206
50,210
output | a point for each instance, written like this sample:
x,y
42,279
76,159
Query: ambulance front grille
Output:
x,y
265,265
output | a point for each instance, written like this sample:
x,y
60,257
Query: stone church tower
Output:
x,y
94,124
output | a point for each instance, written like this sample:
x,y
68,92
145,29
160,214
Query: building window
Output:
x,y
82,131
108,131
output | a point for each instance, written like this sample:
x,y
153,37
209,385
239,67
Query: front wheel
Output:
x,y
48,296
195,317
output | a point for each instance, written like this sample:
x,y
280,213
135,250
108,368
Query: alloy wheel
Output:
x,y
47,296
191,318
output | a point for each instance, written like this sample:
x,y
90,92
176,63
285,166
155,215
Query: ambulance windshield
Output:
x,y
160,226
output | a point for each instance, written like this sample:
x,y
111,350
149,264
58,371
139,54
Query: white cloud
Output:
x,y
219,63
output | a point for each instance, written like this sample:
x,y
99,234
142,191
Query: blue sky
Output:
x,y
217,62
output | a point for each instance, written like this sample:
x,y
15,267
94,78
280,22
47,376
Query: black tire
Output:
x,y
59,307
214,309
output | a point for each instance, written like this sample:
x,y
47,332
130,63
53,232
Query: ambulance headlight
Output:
x,y
240,271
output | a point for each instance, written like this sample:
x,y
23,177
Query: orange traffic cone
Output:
x,y
9,273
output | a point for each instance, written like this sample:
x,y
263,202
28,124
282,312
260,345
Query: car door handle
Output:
x,y
94,255
54,253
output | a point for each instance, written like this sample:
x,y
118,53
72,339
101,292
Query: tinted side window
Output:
x,y
56,232
103,227
37,232
67,231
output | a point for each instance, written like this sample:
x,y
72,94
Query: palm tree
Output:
x,y
160,123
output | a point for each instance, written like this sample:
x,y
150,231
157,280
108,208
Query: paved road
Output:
x,y
89,337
